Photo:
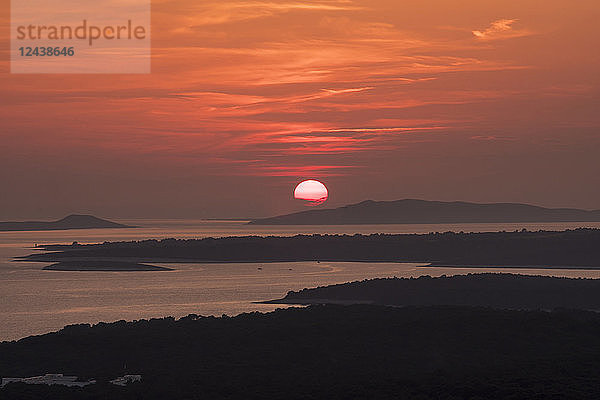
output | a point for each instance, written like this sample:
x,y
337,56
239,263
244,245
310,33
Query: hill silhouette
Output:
x,y
74,221
410,211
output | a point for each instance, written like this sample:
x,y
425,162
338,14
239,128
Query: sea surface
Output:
x,y
33,301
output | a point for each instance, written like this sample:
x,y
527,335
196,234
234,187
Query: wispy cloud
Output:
x,y
500,29
222,12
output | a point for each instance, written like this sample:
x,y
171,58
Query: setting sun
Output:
x,y
312,191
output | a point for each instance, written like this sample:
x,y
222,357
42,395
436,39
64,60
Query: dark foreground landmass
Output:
x,y
507,291
571,248
104,266
69,222
411,211
323,352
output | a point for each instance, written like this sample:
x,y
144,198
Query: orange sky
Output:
x,y
492,100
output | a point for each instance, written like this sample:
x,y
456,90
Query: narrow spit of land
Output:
x,y
108,266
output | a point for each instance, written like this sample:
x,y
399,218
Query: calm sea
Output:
x,y
33,301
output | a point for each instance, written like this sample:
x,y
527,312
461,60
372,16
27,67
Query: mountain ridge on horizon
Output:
x,y
72,221
416,211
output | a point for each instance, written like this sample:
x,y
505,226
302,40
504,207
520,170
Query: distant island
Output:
x,y
508,291
73,221
578,248
411,211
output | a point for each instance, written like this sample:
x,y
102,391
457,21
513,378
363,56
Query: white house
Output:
x,y
49,379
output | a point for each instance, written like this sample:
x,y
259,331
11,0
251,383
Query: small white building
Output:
x,y
125,380
49,379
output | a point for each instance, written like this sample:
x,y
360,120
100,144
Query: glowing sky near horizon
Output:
x,y
383,99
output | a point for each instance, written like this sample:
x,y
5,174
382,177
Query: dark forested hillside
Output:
x,y
331,352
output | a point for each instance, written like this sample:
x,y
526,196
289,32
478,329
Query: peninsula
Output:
x,y
506,291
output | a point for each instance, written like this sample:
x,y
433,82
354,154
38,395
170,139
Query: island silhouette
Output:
x,y
411,211
73,221
540,249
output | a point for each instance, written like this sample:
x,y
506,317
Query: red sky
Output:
x,y
493,100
